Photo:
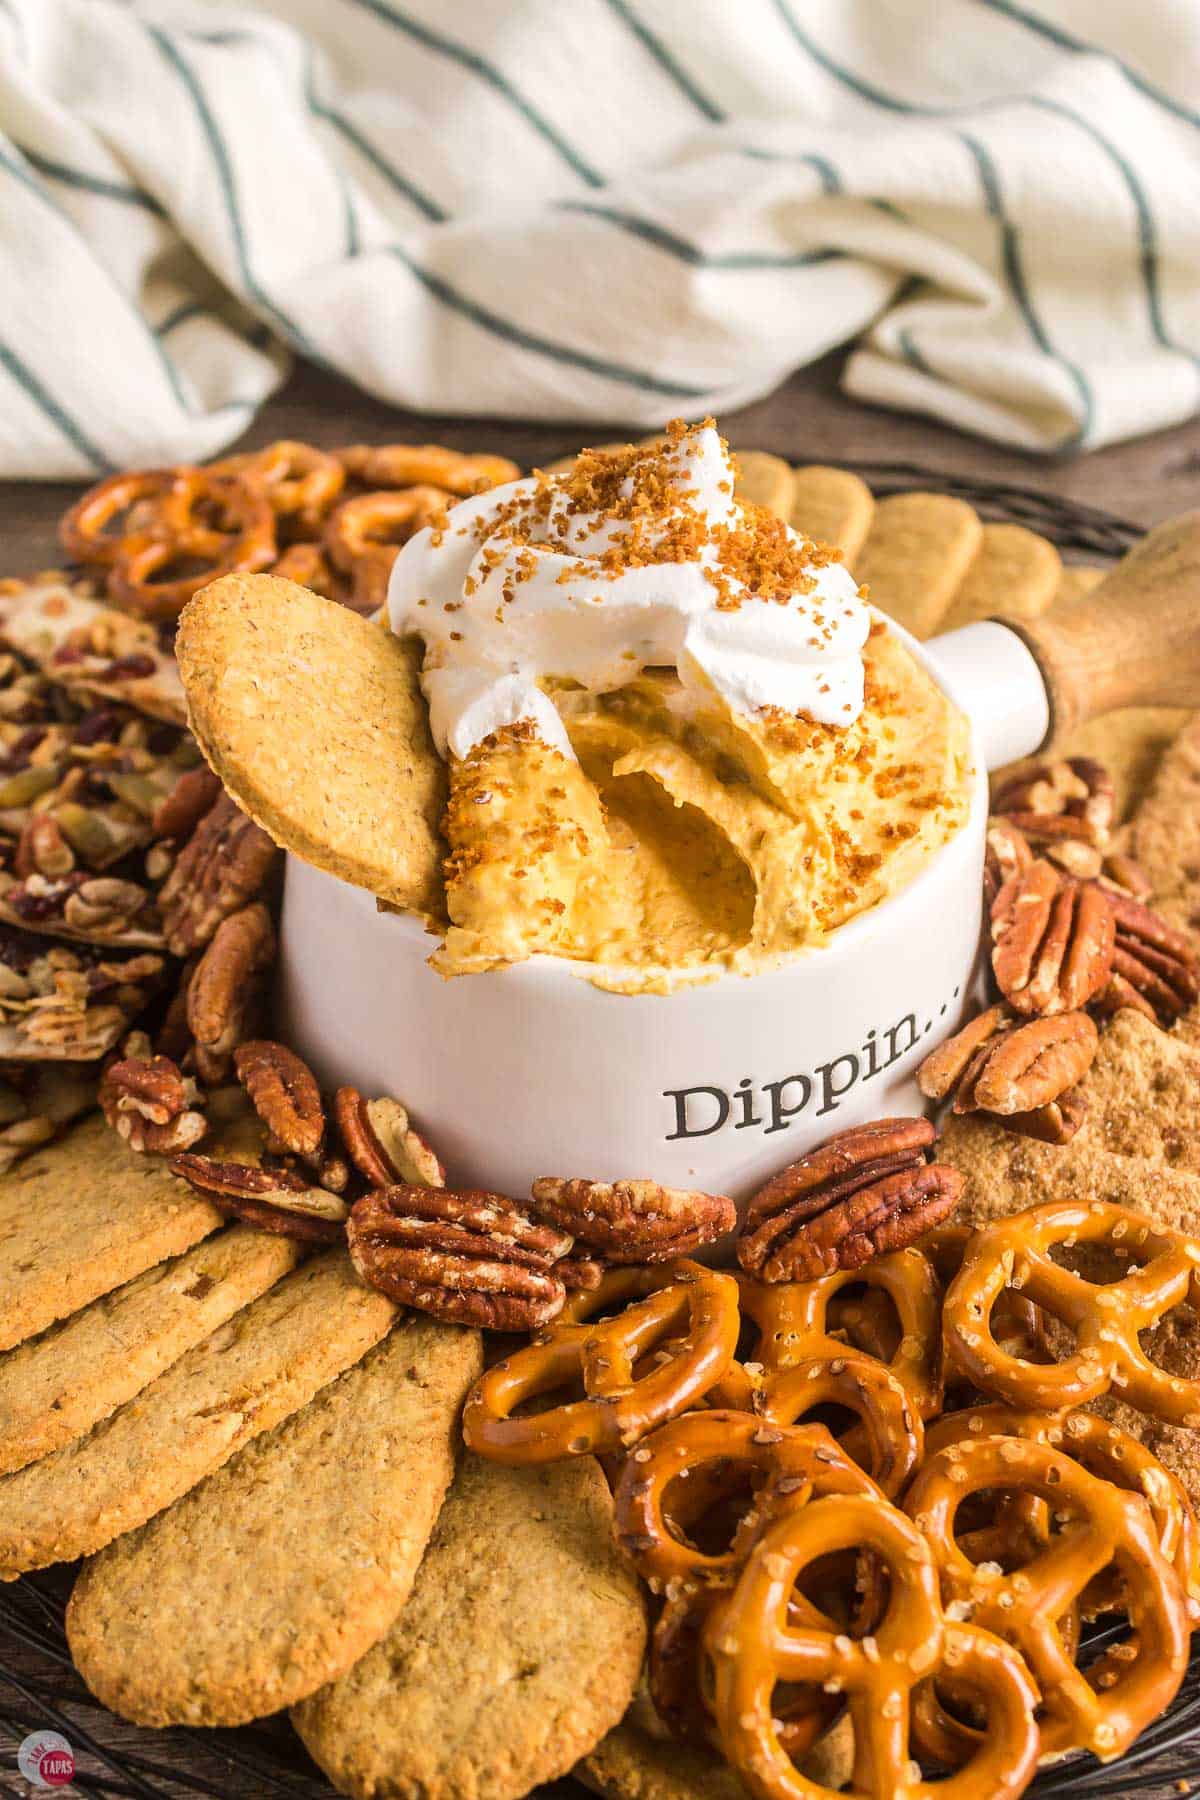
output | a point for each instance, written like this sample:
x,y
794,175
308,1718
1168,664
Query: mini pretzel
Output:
x,y
1107,1452
296,477
765,1635
793,1325
83,531
1106,1317
222,525
793,1464
412,465
890,1438
307,565
363,536
1099,1525
686,1313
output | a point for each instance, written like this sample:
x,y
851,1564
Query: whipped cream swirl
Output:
x,y
642,560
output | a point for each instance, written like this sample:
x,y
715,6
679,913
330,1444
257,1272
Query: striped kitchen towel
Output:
x,y
593,210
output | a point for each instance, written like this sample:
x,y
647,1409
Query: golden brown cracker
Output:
x,y
263,1364
1131,744
81,1217
63,1382
766,480
1143,1097
638,1761
1166,830
1015,575
315,721
916,556
832,506
518,1649
281,1570
630,1764
1006,1174
1143,1094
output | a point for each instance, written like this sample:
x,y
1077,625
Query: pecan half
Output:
x,y
275,1200
1007,854
150,1103
226,862
1055,1123
1053,941
1002,1065
945,1067
226,988
1154,966
382,1143
1025,1068
864,1192
633,1221
472,1257
283,1092
1125,873
1075,788
179,812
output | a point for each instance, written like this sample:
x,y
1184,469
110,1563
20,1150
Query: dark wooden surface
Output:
x,y
808,419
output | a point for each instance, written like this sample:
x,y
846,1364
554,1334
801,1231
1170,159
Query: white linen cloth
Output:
x,y
593,210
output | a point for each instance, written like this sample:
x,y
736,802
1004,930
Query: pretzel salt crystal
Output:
x,y
1099,1526
688,1314
763,1637
1106,1317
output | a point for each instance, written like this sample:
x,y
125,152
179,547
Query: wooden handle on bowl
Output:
x,y
1134,640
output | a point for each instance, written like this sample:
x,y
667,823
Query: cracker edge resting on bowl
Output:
x,y
314,720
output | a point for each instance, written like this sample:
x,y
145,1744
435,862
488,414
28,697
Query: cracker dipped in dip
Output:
x,y
679,740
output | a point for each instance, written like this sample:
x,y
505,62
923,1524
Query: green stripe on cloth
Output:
x,y
220,155
92,184
668,62
436,214
1147,232
1014,274
1067,40
831,181
57,414
512,333
857,84
27,180
662,239
470,59
349,216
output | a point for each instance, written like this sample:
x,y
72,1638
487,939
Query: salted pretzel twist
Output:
x,y
1106,1317
1110,1454
418,465
1100,1526
792,1464
135,493
363,536
686,1313
889,1438
298,479
767,1634
793,1324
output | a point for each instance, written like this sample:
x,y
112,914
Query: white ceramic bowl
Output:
x,y
533,1071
